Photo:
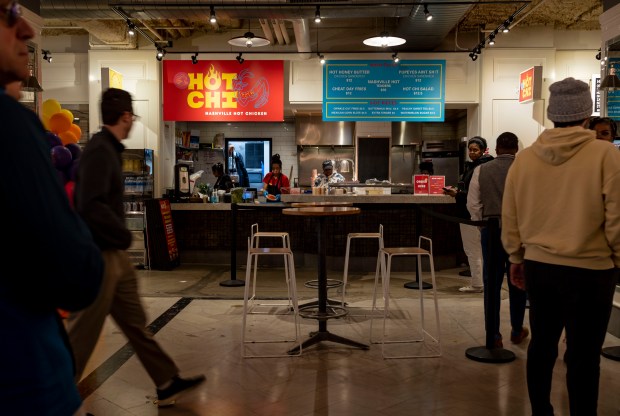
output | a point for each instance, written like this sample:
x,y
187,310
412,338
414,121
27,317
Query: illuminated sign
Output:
x,y
530,84
223,91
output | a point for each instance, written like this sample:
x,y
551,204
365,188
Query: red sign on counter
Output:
x,y
436,183
223,90
420,184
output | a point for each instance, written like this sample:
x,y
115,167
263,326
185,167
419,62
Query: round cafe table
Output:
x,y
321,214
321,204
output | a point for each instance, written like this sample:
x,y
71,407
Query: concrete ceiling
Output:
x,y
290,26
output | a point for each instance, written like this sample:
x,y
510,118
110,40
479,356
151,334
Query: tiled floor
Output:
x,y
203,335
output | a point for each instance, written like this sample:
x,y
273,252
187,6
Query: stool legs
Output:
x,y
249,305
350,236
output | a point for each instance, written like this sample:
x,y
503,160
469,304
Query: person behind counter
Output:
x,y
223,181
328,176
275,180
237,166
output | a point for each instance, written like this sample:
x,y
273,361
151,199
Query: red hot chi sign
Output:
x,y
223,91
530,83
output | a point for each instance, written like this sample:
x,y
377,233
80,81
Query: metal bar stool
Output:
x,y
350,236
431,342
251,307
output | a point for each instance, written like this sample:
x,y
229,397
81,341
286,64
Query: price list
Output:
x,y
384,90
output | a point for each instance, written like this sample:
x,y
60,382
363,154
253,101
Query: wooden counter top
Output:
x,y
355,199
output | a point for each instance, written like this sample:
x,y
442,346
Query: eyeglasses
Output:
x,y
11,13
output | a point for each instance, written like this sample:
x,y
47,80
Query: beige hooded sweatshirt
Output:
x,y
562,201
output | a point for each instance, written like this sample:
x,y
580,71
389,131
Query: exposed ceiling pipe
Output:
x,y
264,24
302,37
277,31
287,39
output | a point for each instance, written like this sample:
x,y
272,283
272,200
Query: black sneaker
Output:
x,y
465,273
167,396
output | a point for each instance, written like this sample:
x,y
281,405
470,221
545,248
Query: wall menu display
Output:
x,y
613,96
384,90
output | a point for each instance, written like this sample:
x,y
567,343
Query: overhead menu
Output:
x,y
384,90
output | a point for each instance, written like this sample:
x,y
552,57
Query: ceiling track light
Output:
x,y
503,27
131,28
427,15
317,15
395,57
195,58
161,52
321,58
212,17
240,58
47,55
598,55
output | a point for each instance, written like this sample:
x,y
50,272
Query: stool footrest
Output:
x,y
313,312
331,283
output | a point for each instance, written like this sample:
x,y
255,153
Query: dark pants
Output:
x,y
517,298
578,300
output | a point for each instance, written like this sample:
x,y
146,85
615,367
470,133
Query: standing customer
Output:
x,y
476,146
275,180
64,265
484,201
561,228
604,127
99,199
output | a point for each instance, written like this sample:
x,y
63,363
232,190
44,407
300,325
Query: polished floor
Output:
x,y
199,323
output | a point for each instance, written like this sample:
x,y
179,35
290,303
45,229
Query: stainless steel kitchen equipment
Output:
x,y
445,157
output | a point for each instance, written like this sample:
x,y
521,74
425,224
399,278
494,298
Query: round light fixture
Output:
x,y
249,40
384,40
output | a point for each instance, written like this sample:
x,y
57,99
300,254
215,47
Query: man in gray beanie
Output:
x,y
561,229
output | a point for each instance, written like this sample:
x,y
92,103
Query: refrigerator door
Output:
x,y
402,162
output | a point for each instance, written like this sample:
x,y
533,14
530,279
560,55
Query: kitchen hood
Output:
x,y
311,130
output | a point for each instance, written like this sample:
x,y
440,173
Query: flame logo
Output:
x,y
213,78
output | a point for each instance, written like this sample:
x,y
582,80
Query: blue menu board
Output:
x,y
613,96
384,90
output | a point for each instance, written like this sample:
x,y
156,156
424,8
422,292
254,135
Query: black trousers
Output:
x,y
578,300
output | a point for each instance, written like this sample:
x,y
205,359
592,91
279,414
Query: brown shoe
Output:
x,y
517,338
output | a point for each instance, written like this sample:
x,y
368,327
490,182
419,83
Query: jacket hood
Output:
x,y
556,146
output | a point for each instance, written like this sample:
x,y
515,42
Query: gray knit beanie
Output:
x,y
570,100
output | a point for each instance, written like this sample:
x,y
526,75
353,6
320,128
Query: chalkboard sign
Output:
x,y
373,156
161,240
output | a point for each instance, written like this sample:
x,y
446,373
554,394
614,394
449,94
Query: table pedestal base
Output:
x,y
316,337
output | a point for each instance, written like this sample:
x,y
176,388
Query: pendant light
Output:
x,y
249,40
384,40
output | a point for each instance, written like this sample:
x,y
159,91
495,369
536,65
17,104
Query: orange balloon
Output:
x,y
59,123
67,137
68,114
76,130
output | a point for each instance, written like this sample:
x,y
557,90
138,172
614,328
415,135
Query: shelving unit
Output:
x,y
138,178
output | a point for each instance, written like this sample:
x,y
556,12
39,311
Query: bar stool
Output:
x,y
255,236
251,307
431,342
350,236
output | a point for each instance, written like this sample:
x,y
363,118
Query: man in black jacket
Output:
x,y
99,200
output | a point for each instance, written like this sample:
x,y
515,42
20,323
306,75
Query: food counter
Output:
x,y
204,230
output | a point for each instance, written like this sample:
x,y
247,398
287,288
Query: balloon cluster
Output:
x,y
60,121
62,137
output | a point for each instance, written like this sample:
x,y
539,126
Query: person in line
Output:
x,y
605,127
236,166
484,201
223,181
470,234
561,229
99,200
328,176
275,180
43,233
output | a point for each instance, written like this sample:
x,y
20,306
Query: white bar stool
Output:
x,y
431,343
251,307
351,236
